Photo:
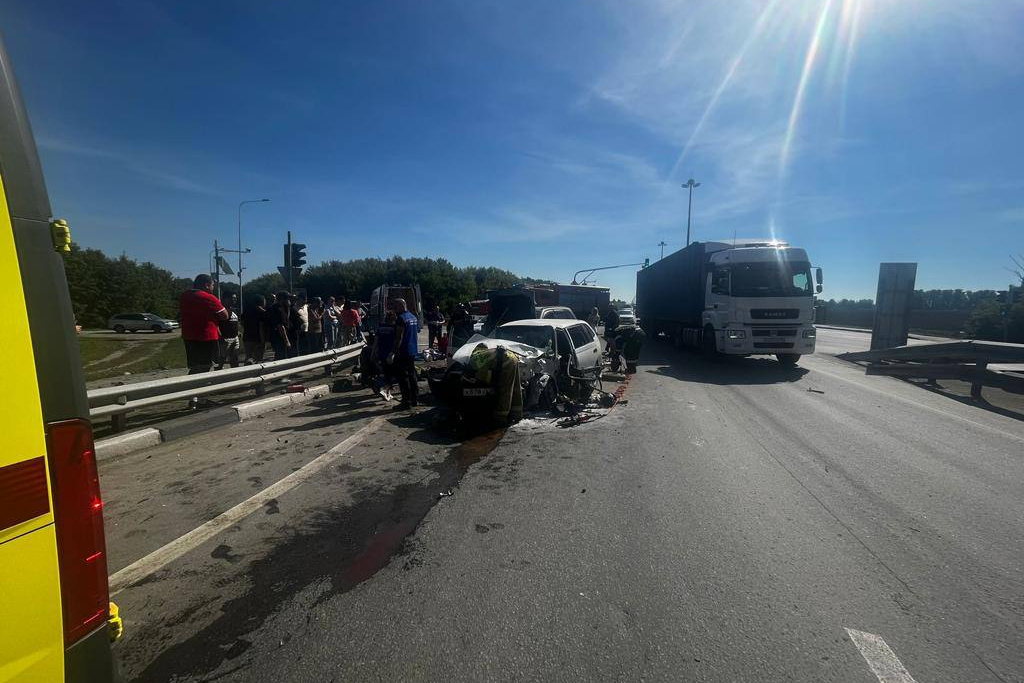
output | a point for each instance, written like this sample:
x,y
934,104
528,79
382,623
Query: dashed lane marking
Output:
x,y
160,558
884,663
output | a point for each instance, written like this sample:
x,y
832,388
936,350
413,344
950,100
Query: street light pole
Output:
x,y
662,244
240,204
691,183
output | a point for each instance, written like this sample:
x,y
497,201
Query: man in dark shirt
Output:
x,y
200,313
403,354
254,330
229,329
279,327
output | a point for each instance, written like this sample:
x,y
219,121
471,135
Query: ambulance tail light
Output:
x,y
78,513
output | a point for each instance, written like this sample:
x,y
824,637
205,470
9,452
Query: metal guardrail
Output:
x,y
116,402
966,361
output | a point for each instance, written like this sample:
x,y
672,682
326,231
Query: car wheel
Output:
x,y
788,360
119,329
157,328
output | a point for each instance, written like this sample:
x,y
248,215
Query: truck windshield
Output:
x,y
526,334
771,279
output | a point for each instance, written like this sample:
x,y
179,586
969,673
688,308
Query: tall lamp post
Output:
x,y
691,183
240,205
662,244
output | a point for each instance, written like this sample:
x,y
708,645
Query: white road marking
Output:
x,y
888,394
163,556
883,661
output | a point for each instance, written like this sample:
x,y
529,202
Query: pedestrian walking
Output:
x,y
315,333
279,326
332,323
350,320
254,329
200,312
229,329
435,325
403,354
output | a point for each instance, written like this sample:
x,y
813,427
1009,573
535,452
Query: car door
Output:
x,y
588,354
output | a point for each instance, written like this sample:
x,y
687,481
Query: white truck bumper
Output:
x,y
767,340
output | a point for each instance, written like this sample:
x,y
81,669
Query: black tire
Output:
x,y
708,344
157,328
119,329
788,360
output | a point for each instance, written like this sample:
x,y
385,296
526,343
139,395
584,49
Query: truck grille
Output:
x,y
774,313
773,345
763,332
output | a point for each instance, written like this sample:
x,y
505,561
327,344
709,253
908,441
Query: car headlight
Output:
x,y
810,334
736,334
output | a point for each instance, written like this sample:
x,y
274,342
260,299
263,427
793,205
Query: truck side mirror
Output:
x,y
817,277
818,289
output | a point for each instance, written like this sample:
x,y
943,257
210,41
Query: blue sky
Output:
x,y
538,136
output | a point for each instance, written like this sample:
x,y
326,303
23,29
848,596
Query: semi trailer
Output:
x,y
742,298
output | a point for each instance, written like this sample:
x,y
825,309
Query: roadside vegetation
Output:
x,y
105,358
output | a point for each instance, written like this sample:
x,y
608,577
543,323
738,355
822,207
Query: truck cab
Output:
x,y
759,299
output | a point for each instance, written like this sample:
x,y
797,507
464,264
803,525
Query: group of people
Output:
x,y
217,333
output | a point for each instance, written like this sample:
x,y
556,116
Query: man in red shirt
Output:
x,y
200,312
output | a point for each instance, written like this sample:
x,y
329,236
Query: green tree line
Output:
x,y
102,286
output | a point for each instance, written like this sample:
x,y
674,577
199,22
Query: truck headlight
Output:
x,y
810,334
736,334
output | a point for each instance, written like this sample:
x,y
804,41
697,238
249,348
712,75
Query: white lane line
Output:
x,y
883,661
163,556
954,416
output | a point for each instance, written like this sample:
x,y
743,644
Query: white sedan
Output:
x,y
574,337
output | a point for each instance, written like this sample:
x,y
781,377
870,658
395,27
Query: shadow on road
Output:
x,y
961,394
684,364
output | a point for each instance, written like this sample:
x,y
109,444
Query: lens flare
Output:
x,y
801,90
755,32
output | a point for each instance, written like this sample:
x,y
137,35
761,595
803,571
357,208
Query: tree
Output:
x,y
986,321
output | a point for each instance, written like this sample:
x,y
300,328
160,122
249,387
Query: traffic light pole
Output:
x,y
288,261
216,266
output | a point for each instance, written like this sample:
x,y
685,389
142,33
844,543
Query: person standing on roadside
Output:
x,y
403,354
315,334
383,343
350,320
611,322
332,323
200,314
279,327
300,310
594,319
229,329
254,330
435,324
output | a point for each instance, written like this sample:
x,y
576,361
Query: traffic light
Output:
x,y
298,255
61,235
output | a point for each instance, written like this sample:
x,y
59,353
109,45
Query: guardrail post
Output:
x,y
976,385
119,422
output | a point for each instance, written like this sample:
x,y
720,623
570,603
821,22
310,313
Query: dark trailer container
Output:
x,y
671,291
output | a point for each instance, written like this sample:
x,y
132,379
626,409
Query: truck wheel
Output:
x,y
707,342
788,360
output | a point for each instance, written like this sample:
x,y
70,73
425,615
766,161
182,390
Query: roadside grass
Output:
x,y
137,357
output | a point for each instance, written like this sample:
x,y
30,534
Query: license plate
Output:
x,y
482,391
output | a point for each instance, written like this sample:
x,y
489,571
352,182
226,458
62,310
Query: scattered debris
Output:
x,y
295,388
815,391
445,493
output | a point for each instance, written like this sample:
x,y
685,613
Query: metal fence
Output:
x,y
117,402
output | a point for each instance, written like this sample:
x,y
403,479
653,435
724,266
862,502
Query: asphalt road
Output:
x,y
733,521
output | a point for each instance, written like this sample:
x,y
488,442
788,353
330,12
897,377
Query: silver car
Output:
x,y
135,322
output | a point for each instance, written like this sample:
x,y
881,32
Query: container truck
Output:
x,y
743,299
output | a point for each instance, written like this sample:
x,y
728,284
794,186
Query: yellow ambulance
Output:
x,y
56,622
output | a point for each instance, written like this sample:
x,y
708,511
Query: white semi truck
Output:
x,y
744,298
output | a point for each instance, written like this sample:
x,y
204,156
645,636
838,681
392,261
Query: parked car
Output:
x,y
135,322
555,312
573,337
